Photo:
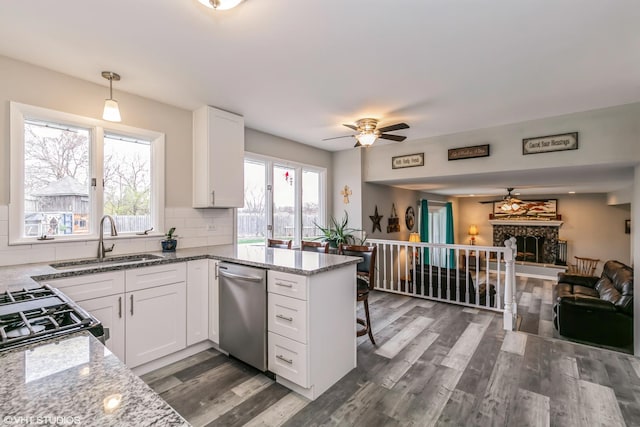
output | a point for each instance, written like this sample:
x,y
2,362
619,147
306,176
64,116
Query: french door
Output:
x,y
282,200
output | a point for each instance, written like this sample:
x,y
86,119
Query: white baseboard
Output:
x,y
173,357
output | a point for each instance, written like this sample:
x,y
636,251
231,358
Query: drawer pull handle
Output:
x,y
285,284
284,359
288,319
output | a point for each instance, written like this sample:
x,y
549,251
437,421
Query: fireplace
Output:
x,y
530,248
536,241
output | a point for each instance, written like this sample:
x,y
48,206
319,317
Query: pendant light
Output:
x,y
111,111
220,4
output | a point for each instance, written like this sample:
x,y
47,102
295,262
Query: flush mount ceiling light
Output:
x,y
111,111
221,4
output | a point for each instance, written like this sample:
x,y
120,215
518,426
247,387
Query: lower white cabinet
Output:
x,y
109,311
156,323
288,359
214,310
197,301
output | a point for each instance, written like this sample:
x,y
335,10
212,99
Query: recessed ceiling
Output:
x,y
299,69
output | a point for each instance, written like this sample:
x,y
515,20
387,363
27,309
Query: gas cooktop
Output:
x,y
31,315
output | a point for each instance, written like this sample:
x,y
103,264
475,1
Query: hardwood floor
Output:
x,y
435,364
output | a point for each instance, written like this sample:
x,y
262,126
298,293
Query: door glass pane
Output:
x,y
56,179
284,199
252,224
127,183
311,213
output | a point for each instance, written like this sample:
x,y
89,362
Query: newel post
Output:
x,y
510,306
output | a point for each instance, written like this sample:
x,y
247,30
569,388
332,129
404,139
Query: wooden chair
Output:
x,y
322,247
283,244
365,271
583,266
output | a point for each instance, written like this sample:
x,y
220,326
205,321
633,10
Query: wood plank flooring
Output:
x,y
436,364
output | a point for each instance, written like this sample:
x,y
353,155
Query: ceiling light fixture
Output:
x,y
111,111
221,4
366,138
510,203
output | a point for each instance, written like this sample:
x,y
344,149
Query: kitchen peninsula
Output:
x,y
308,353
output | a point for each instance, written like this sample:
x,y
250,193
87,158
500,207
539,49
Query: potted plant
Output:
x,y
169,243
338,233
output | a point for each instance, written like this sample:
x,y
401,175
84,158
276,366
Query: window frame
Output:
x,y
19,113
299,167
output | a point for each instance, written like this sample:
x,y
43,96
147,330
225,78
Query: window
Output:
x,y
68,171
282,200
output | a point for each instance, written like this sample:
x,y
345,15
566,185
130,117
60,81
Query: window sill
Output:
x,y
84,239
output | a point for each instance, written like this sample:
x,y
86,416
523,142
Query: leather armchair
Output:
x,y
596,309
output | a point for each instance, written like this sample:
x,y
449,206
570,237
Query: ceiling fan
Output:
x,y
368,132
509,203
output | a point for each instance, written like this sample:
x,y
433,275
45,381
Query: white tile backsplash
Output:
x,y
194,227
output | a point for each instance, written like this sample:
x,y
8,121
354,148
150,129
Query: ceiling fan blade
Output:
x,y
338,137
391,128
357,145
350,127
393,137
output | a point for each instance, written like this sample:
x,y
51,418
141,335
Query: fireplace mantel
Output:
x,y
529,223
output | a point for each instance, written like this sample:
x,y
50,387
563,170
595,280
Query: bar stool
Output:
x,y
283,244
322,247
365,271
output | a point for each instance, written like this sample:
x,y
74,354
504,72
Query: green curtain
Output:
x,y
449,235
424,229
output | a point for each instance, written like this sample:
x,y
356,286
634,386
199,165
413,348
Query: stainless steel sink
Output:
x,y
95,263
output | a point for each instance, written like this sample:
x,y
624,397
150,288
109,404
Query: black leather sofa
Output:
x,y
596,309
441,276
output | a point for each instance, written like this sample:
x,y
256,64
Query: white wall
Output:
x,y
606,136
347,170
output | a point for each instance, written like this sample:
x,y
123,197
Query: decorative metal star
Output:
x,y
376,221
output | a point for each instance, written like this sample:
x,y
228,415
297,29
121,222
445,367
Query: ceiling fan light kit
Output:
x,y
368,132
510,203
221,4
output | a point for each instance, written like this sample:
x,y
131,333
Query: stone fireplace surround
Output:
x,y
546,230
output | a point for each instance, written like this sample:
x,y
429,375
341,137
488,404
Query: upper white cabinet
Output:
x,y
218,159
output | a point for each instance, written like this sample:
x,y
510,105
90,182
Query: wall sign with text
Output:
x,y
408,161
469,152
546,144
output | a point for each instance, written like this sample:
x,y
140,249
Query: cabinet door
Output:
x,y
218,158
214,311
156,323
197,301
110,312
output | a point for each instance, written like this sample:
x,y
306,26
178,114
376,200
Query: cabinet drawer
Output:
x,y
81,288
287,284
288,359
288,317
158,275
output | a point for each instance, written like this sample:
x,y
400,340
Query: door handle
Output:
x,y
120,307
284,359
239,276
131,296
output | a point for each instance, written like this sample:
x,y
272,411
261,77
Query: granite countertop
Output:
x,y
291,261
75,380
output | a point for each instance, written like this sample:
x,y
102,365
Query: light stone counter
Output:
x,y
75,380
290,261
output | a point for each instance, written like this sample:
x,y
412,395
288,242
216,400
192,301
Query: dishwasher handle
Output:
x,y
240,276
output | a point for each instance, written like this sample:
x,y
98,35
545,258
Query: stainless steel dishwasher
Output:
x,y
243,313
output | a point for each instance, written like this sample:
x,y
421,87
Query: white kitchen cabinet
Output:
x,y
197,301
311,322
156,323
102,295
109,311
214,310
218,159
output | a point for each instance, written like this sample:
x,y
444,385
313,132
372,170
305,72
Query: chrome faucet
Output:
x,y
101,249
